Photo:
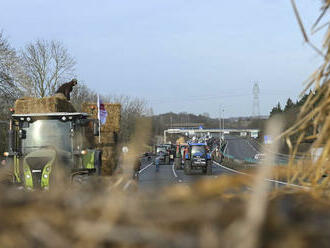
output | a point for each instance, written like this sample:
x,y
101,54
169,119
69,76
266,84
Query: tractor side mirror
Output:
x,y
22,134
96,129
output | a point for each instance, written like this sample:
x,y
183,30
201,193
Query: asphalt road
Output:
x,y
150,180
240,148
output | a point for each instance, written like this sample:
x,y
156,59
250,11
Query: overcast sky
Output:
x,y
180,55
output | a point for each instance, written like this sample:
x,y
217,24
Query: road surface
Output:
x,y
246,149
150,180
240,148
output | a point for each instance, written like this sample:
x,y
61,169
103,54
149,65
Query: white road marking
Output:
x,y
145,168
250,189
174,171
232,170
224,150
285,156
248,142
127,185
176,175
266,179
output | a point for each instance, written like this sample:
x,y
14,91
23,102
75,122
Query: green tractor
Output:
x,y
42,144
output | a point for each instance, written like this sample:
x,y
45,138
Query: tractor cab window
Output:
x,y
46,133
161,149
200,150
83,134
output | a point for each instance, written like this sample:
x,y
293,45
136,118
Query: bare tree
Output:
x,y
46,66
9,72
81,94
131,110
9,87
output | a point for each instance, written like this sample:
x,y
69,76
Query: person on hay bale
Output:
x,y
67,88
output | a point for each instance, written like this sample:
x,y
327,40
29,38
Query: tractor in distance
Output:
x,y
197,158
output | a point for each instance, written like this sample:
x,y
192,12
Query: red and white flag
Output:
x,y
102,113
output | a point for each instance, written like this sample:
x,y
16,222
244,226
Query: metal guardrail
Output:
x,y
266,179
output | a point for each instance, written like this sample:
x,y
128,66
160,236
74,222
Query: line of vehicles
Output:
x,y
190,156
44,140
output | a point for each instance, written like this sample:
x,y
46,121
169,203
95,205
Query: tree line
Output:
x,y
289,115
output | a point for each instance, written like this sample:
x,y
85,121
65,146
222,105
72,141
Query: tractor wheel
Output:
x,y
98,162
209,168
177,162
167,159
187,167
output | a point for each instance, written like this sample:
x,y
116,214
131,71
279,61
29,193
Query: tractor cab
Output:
x,y
41,143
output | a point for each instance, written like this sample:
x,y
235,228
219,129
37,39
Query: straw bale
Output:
x,y
109,160
113,119
109,133
51,104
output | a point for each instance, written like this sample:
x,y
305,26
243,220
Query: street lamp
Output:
x,y
220,117
223,118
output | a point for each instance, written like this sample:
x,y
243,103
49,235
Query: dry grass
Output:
x,y
314,113
208,214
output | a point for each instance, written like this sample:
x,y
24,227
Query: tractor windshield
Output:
x,y
161,149
197,150
44,133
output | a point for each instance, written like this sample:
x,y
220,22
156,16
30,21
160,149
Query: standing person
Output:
x,y
137,168
157,161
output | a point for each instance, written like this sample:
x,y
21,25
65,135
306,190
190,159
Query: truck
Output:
x,y
197,158
163,153
45,144
171,149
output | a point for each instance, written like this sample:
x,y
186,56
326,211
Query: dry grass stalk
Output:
x,y
314,113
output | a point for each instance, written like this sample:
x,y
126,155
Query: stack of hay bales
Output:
x,y
109,135
52,104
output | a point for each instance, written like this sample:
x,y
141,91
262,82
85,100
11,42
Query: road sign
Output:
x,y
243,134
254,134
268,139
125,149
